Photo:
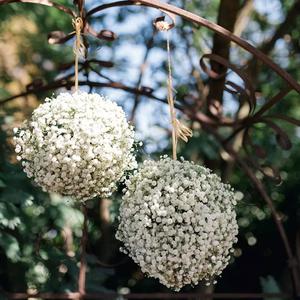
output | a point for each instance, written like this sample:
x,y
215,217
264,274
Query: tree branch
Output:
x,y
283,28
290,21
227,16
149,46
243,17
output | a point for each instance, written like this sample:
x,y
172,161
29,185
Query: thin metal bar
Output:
x,y
275,99
69,83
150,295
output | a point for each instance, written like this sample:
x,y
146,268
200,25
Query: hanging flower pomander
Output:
x,y
77,144
177,221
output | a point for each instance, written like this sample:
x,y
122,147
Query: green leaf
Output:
x,y
11,246
2,184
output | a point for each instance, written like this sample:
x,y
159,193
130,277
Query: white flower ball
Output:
x,y
177,221
77,144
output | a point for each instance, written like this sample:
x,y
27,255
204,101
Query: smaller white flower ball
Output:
x,y
77,144
178,222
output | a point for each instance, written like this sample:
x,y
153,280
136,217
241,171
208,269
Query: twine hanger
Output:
x,y
179,130
78,48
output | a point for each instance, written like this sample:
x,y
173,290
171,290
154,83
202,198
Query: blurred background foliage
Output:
x,y
40,233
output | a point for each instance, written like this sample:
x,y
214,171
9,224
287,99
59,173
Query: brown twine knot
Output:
x,y
162,25
78,48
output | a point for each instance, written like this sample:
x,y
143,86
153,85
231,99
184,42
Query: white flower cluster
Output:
x,y
177,221
77,144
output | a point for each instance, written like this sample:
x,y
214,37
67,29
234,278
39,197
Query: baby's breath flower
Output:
x,y
78,145
177,221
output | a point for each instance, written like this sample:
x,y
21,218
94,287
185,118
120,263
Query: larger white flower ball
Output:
x,y
177,221
77,144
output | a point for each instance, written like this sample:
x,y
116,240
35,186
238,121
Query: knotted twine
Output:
x,y
78,48
179,130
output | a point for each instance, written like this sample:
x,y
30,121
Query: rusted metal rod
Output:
x,y
69,83
108,296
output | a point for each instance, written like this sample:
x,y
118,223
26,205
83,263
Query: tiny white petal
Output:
x,y
77,144
182,228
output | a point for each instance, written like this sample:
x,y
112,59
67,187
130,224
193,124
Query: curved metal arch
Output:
x,y
226,34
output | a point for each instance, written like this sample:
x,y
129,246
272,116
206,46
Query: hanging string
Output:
x,y
78,48
179,130
171,101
